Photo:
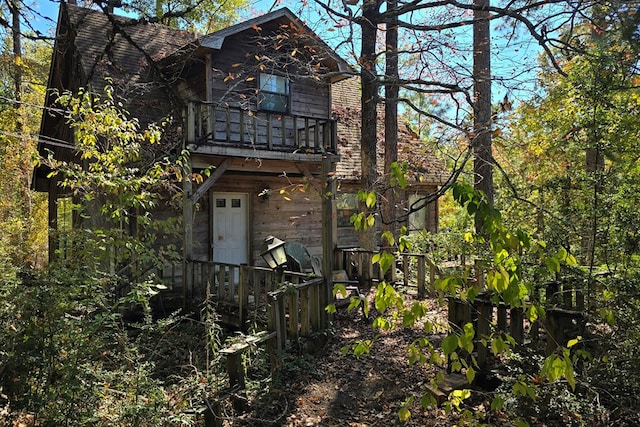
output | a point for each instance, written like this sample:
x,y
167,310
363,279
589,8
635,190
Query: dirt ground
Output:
x,y
333,389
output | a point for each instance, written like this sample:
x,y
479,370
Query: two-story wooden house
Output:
x,y
257,98
256,103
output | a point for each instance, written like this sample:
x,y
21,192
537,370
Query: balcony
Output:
x,y
224,130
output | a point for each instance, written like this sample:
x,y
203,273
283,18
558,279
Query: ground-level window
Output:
x,y
419,219
346,205
274,93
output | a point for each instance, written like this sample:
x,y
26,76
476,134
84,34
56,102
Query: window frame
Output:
x,y
284,94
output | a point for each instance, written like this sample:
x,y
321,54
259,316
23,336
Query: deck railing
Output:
x,y
418,270
298,310
244,290
563,302
222,125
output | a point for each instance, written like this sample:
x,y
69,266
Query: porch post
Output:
x,y
329,233
187,250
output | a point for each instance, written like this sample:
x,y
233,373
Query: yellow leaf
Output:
x,y
250,79
294,52
574,341
404,414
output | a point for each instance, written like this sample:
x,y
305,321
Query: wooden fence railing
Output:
x,y
417,269
563,303
298,310
238,289
209,123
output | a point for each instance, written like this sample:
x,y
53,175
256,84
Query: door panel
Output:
x,y
230,228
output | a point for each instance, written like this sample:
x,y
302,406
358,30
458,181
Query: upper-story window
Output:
x,y
274,93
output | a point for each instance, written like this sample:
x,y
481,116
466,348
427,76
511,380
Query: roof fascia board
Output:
x,y
216,39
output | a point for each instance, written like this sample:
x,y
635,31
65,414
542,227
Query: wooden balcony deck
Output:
x,y
215,129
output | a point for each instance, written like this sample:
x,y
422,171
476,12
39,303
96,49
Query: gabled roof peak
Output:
x,y
216,39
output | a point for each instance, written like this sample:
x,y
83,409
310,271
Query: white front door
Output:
x,y
230,236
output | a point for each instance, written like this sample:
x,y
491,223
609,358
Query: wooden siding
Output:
x,y
298,219
234,78
348,236
309,98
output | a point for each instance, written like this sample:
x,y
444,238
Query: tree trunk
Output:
x,y
368,145
594,158
14,6
390,119
483,157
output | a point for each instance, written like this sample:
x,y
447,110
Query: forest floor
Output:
x,y
330,388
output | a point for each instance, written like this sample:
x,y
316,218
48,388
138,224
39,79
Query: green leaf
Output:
x,y
562,254
365,307
607,316
470,374
497,345
353,303
553,265
450,344
371,199
339,288
497,403
362,347
371,221
386,261
461,394
428,400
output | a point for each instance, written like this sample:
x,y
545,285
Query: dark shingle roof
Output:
x,y
424,166
126,44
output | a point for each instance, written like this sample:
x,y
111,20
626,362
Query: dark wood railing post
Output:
x,y
420,259
227,127
296,137
211,121
269,132
432,278
293,309
316,134
485,309
334,137
517,324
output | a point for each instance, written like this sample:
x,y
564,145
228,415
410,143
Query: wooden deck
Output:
x,y
293,305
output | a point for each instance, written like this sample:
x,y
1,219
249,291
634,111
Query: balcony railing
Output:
x,y
223,126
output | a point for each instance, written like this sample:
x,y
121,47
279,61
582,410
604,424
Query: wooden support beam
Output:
x,y
206,185
329,234
312,180
187,255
